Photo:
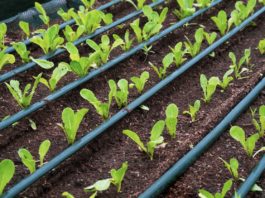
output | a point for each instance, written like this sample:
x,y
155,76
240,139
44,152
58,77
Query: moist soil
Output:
x,y
111,149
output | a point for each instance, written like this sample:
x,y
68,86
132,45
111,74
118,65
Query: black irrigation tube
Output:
x,y
99,31
10,49
185,162
34,107
90,136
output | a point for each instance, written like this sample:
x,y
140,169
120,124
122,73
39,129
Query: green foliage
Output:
x,y
249,143
262,1
194,49
24,26
178,54
72,35
260,123
226,187
7,171
171,120
154,141
58,73
186,8
203,3
22,51
43,63
227,79
3,30
162,71
43,15
66,16
139,82
193,110
49,40
67,195
232,167
43,150
6,59
23,98
208,87
118,175
88,3
210,37
221,22
121,95
139,4
126,42
261,46
71,122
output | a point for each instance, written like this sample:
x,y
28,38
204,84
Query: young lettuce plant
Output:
x,y
162,71
259,125
155,139
261,46
24,26
6,59
88,3
208,87
126,42
139,82
178,53
227,79
49,40
7,171
23,98
72,35
3,30
203,3
43,15
210,37
22,51
186,8
28,160
193,110
138,5
171,120
121,95
71,122
221,22
66,16
116,179
232,167
194,49
249,143
226,187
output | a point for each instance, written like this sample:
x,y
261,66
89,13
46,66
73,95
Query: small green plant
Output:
x,y
49,40
23,98
88,3
226,187
116,179
7,171
193,110
208,87
126,42
232,167
22,51
171,120
154,141
58,73
6,59
121,95
261,46
221,22
71,122
72,35
249,143
178,53
28,160
24,26
259,124
203,3
3,30
138,5
162,71
139,82
210,37
194,49
186,8
66,16
227,79
43,15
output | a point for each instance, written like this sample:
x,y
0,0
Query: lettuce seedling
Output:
x,y
193,110
24,26
43,63
139,4
259,124
210,37
6,59
88,3
67,195
171,120
226,187
232,167
7,171
72,35
66,16
71,122
155,139
126,42
249,143
194,49
203,3
28,160
139,82
43,15
186,8
178,53
162,71
208,87
261,46
116,179
227,79
221,22
57,74
49,40
22,51
3,30
23,98
121,95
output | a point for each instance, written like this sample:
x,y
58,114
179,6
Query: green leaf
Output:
x,y
227,186
133,136
67,195
25,28
43,63
27,160
100,185
73,51
172,119
7,171
43,150
118,175
205,194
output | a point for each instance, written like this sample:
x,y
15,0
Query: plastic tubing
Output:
x,y
90,136
25,112
252,178
185,162
99,31
10,49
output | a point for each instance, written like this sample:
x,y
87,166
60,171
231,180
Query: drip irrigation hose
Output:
x,y
90,136
10,49
99,31
252,178
34,107
185,162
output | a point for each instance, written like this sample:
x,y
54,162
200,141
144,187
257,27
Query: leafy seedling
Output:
x,y
193,110
171,120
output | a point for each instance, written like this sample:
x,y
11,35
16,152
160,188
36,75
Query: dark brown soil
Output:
x,y
111,149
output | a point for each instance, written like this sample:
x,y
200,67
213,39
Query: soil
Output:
x,y
111,149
